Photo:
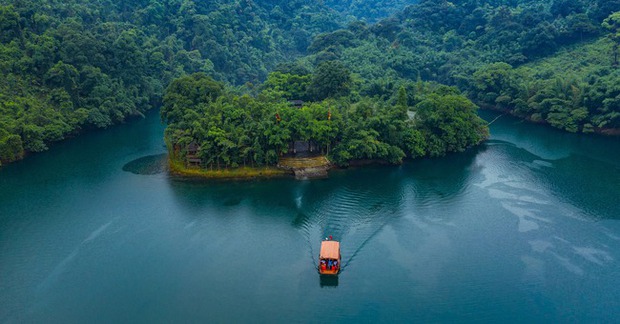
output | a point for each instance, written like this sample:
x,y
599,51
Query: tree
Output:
x,y
580,24
402,104
492,81
337,38
186,92
11,148
414,143
612,23
63,75
450,123
278,136
289,86
331,79
9,24
567,7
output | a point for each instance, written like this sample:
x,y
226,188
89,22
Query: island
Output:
x,y
304,123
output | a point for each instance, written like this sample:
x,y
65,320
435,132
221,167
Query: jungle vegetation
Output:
x,y
74,65
232,130
553,62
71,65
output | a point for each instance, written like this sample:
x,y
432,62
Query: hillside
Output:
x,y
575,89
74,65
368,11
473,46
79,64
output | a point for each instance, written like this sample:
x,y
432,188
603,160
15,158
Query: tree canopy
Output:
x,y
74,65
80,64
491,51
232,130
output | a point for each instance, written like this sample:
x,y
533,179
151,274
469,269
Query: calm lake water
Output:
x,y
525,228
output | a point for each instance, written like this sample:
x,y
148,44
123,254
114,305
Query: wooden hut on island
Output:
x,y
192,154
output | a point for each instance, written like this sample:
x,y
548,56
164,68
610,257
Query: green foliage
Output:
x,y
288,86
612,24
576,90
186,92
9,23
447,41
370,11
450,122
232,130
331,79
324,41
91,64
493,82
484,49
11,148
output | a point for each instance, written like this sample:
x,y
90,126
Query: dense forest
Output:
x,y
368,11
227,130
80,64
581,96
480,47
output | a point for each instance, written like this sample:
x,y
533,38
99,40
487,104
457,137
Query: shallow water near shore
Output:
x,y
523,228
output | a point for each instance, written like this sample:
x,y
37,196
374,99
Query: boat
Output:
x,y
329,258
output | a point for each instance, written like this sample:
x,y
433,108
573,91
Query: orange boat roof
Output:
x,y
330,250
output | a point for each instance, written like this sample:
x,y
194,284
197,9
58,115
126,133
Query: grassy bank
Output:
x,y
179,168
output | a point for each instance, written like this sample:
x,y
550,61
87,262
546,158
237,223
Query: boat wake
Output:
x,y
350,215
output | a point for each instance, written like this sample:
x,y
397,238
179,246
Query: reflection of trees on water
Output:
x,y
211,198
356,205
443,179
550,143
588,183
148,165
547,197
352,205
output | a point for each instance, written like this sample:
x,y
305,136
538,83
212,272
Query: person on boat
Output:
x,y
323,267
329,264
330,238
335,265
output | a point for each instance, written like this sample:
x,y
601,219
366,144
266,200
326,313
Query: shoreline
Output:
x,y
242,173
610,132
177,168
78,132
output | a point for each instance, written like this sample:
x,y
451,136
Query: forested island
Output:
x,y
215,128
407,69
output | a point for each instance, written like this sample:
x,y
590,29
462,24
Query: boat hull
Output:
x,y
329,272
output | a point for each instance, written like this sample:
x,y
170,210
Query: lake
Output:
x,y
525,228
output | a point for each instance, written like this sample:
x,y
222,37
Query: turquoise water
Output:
x,y
524,228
